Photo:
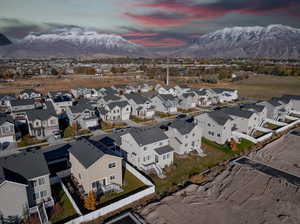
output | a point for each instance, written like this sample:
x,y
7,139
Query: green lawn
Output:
x,y
130,186
66,210
28,140
140,120
186,166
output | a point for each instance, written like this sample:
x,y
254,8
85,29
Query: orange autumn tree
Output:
x,y
233,145
90,201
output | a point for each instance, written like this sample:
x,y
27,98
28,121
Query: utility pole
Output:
x,y
168,71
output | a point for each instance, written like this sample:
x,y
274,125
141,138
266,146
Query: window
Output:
x,y
112,177
34,183
160,143
36,196
219,135
208,124
164,157
95,184
43,194
186,136
168,155
194,134
112,165
79,175
41,181
145,148
148,157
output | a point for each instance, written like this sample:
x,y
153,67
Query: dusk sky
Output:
x,y
151,23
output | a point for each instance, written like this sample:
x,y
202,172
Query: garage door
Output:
x,y
91,123
7,139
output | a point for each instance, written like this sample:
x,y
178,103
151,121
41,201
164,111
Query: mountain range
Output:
x,y
273,41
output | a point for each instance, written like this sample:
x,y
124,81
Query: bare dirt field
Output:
x,y
282,154
239,194
47,84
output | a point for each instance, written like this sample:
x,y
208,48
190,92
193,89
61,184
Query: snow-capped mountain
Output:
x,y
274,41
4,40
74,42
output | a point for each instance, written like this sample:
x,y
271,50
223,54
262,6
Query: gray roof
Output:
x,y
86,152
189,94
253,107
42,114
5,118
111,97
167,97
147,135
82,105
164,150
236,111
137,98
183,126
219,116
22,102
221,90
22,167
118,103
7,96
30,91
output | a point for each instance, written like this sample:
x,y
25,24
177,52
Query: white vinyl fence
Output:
x,y
121,203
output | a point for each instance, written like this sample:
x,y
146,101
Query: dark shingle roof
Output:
x,y
137,98
147,135
23,166
86,152
253,107
118,103
5,118
236,111
82,105
111,97
220,117
183,126
22,102
164,150
42,114
30,91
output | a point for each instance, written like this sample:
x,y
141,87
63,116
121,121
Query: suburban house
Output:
x,y
115,111
216,126
94,169
166,90
244,121
259,109
5,99
88,93
24,184
145,87
30,94
180,89
275,109
7,129
293,101
203,97
61,100
165,103
42,123
106,91
140,106
82,114
147,148
122,89
109,98
21,105
185,136
226,95
187,100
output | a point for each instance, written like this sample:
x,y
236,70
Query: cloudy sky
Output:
x,y
152,23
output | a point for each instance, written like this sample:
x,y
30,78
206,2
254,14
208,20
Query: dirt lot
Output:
x,y
283,154
47,84
239,194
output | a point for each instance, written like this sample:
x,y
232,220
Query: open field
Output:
x,y
262,86
49,84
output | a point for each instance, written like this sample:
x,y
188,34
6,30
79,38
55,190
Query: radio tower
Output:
x,y
167,72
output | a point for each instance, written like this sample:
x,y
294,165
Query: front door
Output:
x,y
156,158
